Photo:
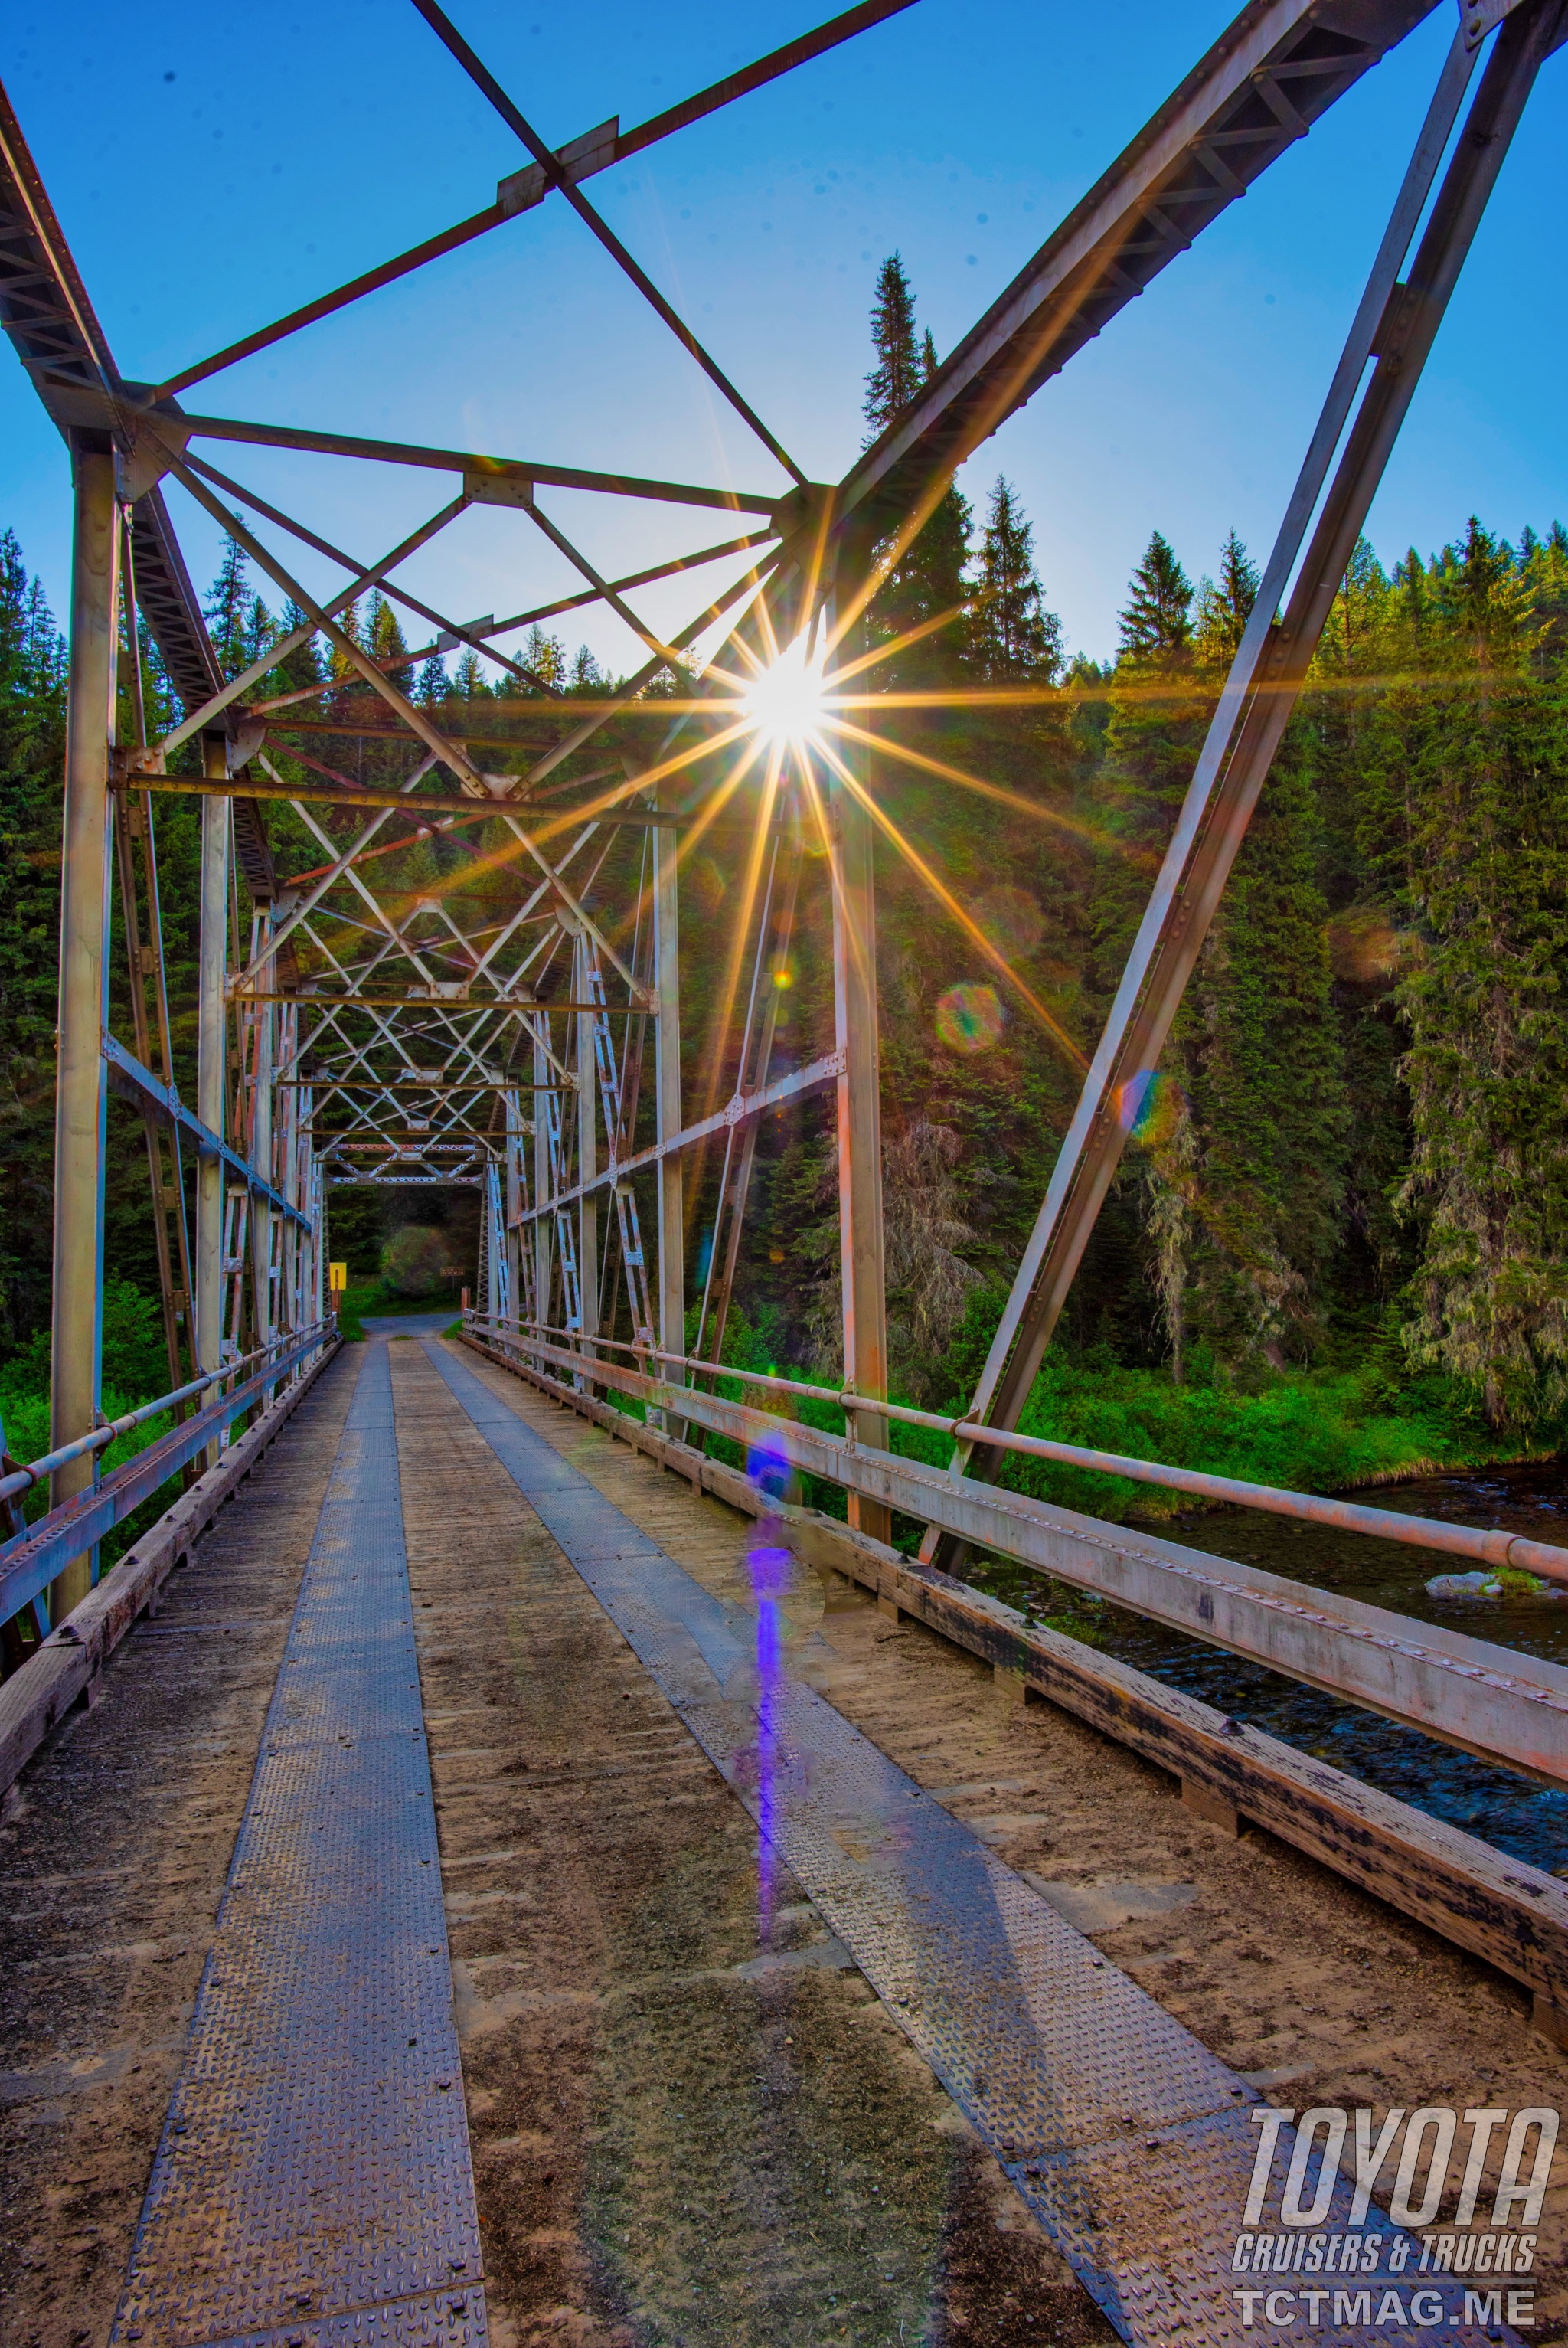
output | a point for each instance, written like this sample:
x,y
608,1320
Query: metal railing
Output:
x,y
24,1480
31,1559
1495,1701
1494,1548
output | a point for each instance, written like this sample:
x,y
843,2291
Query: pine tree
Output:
x,y
32,755
387,644
1225,607
545,658
302,666
1014,639
1157,624
1465,815
227,609
433,683
586,674
468,680
928,579
340,668
898,372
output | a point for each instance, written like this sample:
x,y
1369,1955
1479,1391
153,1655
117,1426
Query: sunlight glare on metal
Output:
x,y
784,702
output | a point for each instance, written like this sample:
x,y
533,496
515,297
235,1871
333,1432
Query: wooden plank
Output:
x,y
1503,1910
69,1663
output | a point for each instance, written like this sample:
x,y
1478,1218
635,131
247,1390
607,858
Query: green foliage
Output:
x,y
32,751
1157,624
1014,639
415,1262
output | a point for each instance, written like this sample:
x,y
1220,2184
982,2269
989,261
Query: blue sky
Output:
x,y
225,165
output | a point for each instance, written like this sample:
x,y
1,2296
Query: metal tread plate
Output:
x,y
1131,2142
313,2185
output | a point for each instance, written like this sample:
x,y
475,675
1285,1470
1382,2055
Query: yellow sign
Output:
x,y
337,1276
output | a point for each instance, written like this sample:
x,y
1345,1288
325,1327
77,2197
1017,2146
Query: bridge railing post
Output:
x,y
81,1094
672,1206
860,1101
212,1053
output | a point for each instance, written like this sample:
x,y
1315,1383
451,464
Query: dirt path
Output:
x,y
114,1847
1321,1995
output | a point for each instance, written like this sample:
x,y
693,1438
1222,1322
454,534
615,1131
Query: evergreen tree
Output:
x,y
545,658
1015,640
387,644
1157,624
1263,1062
1465,815
1224,607
340,668
585,674
898,372
433,683
32,755
468,679
228,610
302,666
928,579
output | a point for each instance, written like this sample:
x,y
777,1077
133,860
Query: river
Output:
x,y
1511,1811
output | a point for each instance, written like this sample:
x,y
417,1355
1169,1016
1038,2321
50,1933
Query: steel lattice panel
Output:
x,y
1131,2142
314,2183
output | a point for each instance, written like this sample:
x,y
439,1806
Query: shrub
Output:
x,y
414,1261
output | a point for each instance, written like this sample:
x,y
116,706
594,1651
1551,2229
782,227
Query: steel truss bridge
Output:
x,y
524,1037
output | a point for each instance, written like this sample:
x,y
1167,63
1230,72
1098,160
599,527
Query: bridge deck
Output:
x,y
678,2131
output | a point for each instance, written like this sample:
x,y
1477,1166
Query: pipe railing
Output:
x,y
31,1559
1496,1547
24,1480
1508,1706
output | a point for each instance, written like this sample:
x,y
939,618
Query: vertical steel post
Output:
x,y
672,1209
862,1275
212,1051
855,1038
81,1093
262,1154
544,1188
587,1142
514,1202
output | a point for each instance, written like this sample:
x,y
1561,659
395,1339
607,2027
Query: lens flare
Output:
x,y
1150,1107
768,1569
970,1018
1011,917
783,702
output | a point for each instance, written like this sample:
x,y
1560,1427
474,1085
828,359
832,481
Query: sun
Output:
x,y
784,702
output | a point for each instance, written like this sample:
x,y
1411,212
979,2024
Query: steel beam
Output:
x,y
741,1110
524,471
580,159
670,1177
1273,73
81,1096
1400,321
212,1053
588,1232
862,1273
